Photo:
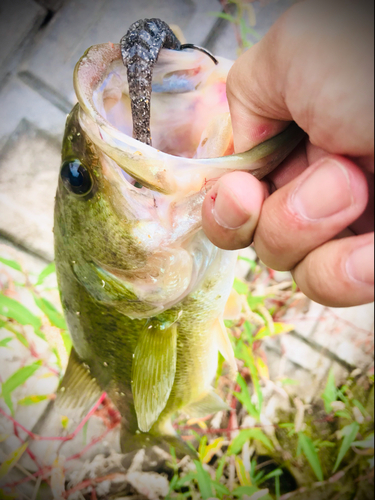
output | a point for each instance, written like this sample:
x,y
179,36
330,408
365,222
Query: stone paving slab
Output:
x,y
81,23
18,101
19,19
29,166
346,334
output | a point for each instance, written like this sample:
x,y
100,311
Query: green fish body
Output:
x,y
142,288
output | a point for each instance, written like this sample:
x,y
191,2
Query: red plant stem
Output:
x,y
79,427
9,417
43,470
90,482
87,447
37,437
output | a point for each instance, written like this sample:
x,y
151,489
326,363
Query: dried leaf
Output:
x,y
32,400
242,474
12,459
212,449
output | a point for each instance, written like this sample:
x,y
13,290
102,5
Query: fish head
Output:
x,y
128,215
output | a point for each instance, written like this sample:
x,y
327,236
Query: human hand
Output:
x,y
314,214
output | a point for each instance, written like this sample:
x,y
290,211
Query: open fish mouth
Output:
x,y
190,121
189,110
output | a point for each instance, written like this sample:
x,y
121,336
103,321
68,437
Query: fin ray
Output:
x,y
224,344
153,372
208,404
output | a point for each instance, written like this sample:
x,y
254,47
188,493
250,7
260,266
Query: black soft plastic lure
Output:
x,y
140,48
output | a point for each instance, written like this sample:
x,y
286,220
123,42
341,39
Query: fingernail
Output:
x,y
360,265
325,192
228,211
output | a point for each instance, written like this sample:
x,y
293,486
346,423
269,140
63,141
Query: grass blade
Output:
x,y
246,434
16,379
55,317
50,269
330,392
310,453
350,433
11,263
204,481
10,308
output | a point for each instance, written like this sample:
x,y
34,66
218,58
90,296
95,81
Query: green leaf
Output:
x,y
55,317
11,263
220,468
186,479
16,379
243,436
330,392
254,301
51,268
251,262
220,488
21,338
343,414
310,453
5,342
245,398
12,459
240,287
279,328
247,355
274,473
223,15
350,432
204,481
67,341
32,400
10,308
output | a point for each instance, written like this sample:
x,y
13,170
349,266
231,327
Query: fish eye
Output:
x,y
76,177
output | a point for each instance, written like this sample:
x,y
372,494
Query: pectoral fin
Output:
x,y
153,372
224,345
208,404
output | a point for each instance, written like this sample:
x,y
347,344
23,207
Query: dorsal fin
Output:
x,y
153,372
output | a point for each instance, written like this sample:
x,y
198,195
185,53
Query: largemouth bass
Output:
x,y
142,288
